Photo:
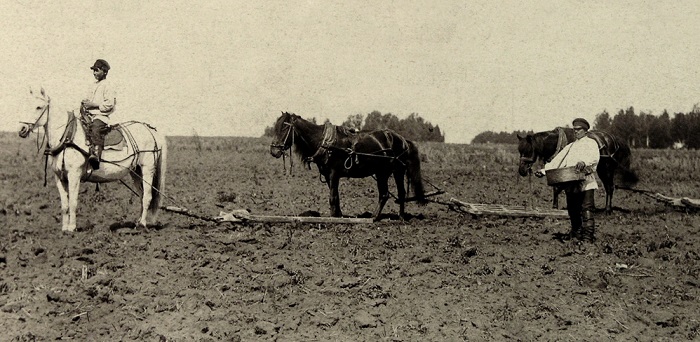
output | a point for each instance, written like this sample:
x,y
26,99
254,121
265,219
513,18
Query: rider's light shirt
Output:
x,y
103,94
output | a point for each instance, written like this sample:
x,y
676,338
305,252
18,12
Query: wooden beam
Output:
x,y
240,216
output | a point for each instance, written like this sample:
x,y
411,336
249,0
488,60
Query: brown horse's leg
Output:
x,y
334,199
555,199
401,192
609,189
606,173
383,189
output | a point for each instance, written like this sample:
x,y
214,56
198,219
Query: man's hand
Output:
x,y
539,173
89,104
580,166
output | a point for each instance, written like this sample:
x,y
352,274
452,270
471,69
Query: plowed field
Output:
x,y
440,276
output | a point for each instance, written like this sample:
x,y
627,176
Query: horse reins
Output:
x,y
38,145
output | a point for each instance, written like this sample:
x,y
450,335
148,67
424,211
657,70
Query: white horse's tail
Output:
x,y
158,186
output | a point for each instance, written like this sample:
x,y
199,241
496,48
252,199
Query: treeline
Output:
x,y
489,137
643,130
413,127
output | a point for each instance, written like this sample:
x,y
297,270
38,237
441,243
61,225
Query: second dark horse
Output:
x,y
341,153
614,157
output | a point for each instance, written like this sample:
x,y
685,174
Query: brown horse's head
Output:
x,y
528,156
283,134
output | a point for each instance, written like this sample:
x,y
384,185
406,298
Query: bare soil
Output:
x,y
440,276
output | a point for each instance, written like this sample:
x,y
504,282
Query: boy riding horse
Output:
x,y
98,106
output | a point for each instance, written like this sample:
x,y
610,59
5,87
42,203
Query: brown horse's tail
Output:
x,y
414,174
627,176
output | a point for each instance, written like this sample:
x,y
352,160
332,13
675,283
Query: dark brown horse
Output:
x,y
341,153
614,157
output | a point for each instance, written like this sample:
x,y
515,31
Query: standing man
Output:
x,y
98,106
584,155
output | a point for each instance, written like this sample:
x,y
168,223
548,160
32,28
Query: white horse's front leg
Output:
x,y
63,192
146,196
73,191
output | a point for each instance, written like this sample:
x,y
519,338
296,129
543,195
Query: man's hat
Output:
x,y
580,122
100,64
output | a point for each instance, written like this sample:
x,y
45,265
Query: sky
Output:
x,y
228,68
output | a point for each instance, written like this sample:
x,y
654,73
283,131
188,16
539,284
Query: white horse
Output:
x,y
140,153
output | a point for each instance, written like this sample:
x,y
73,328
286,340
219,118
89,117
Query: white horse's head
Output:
x,y
37,112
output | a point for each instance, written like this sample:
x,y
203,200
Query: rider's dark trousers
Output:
x,y
98,129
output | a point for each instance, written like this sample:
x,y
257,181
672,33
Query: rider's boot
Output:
x,y
95,157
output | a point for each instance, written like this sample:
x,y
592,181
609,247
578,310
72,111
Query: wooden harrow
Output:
x,y
503,210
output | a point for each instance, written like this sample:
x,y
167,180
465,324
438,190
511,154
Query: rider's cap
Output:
x,y
580,122
100,64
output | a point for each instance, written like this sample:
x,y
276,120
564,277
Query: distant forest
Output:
x,y
641,130
413,127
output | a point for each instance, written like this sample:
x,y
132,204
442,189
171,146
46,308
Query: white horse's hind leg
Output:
x,y
146,180
63,193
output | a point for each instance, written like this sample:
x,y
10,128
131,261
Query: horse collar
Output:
x,y
67,137
561,142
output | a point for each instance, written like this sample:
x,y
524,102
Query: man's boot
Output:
x,y
575,232
95,156
588,230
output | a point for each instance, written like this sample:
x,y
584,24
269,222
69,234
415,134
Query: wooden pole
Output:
x,y
243,216
411,199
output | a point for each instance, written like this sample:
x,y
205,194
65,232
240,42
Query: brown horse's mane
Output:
x,y
313,133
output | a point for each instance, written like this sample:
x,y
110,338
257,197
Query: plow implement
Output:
x,y
243,216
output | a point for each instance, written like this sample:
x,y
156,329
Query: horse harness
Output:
x,y
329,144
606,150
68,136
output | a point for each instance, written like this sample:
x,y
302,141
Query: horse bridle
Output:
x,y
283,147
32,125
529,161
